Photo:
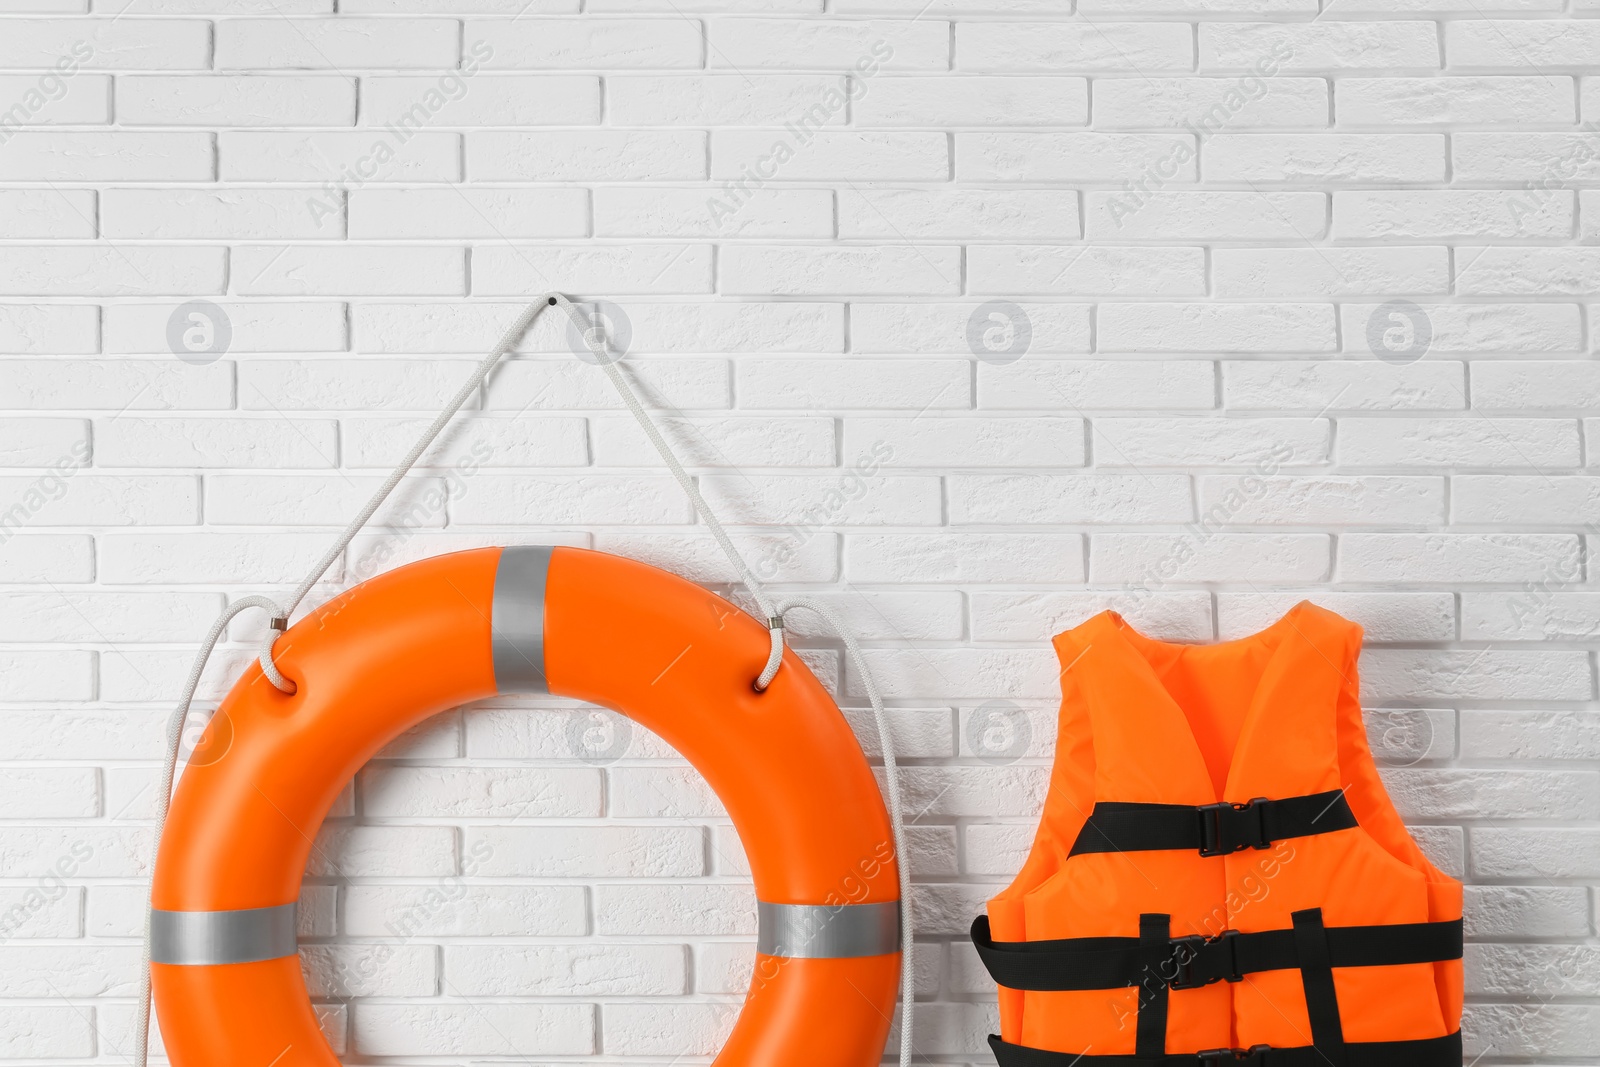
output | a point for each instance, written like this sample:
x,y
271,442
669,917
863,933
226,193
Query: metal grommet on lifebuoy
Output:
x,y
429,636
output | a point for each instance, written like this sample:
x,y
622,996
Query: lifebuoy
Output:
x,y
405,645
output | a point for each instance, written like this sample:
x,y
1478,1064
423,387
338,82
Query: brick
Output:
x,y
43,329
47,213
828,155
1213,557
1502,270
655,212
128,441
1503,43
1324,158
1323,46
107,44
702,909
973,100
1344,385
1073,47
1478,442
1424,674
803,270
614,498
466,212
587,44
252,327
1051,441
1501,911
965,557
1445,215
350,971
108,155
481,100
1150,327
46,558
1196,216
966,791
73,616
1525,500
1388,500
57,971
51,793
100,270
349,384
361,270
1069,498
825,44
995,214
468,443
217,214
1542,852
46,676
67,498
1544,159
551,385
587,851
336,44
327,160
848,499
1211,103
1493,794
566,970
915,384
1114,158
315,500
1050,384
1386,618
1454,557
468,1029
654,1029
1019,270
721,442
586,155
505,270
1036,616
920,328
1263,444
43,442
722,99
800,554
1542,735
427,792
231,100
84,100
1323,271
1456,101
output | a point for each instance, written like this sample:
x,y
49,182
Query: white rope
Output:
x,y
594,338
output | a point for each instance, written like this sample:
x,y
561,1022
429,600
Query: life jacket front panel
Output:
x,y
1118,918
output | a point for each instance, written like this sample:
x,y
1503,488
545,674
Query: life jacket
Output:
x,y
1219,876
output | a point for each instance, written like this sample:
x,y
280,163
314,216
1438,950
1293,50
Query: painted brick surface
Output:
x,y
971,317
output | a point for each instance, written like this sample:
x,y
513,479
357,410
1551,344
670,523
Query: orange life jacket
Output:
x,y
1219,875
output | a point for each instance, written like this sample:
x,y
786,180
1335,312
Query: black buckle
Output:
x,y
1227,828
1200,961
1254,1056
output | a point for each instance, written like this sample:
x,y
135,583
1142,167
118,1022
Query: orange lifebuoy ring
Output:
x,y
431,635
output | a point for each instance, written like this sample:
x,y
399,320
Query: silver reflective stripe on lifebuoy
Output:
x,y
204,938
828,931
516,630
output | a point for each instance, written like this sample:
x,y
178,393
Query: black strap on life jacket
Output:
x,y
1213,829
1426,1052
1187,962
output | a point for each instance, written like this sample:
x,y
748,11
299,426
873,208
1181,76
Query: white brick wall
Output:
x,y
1190,307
